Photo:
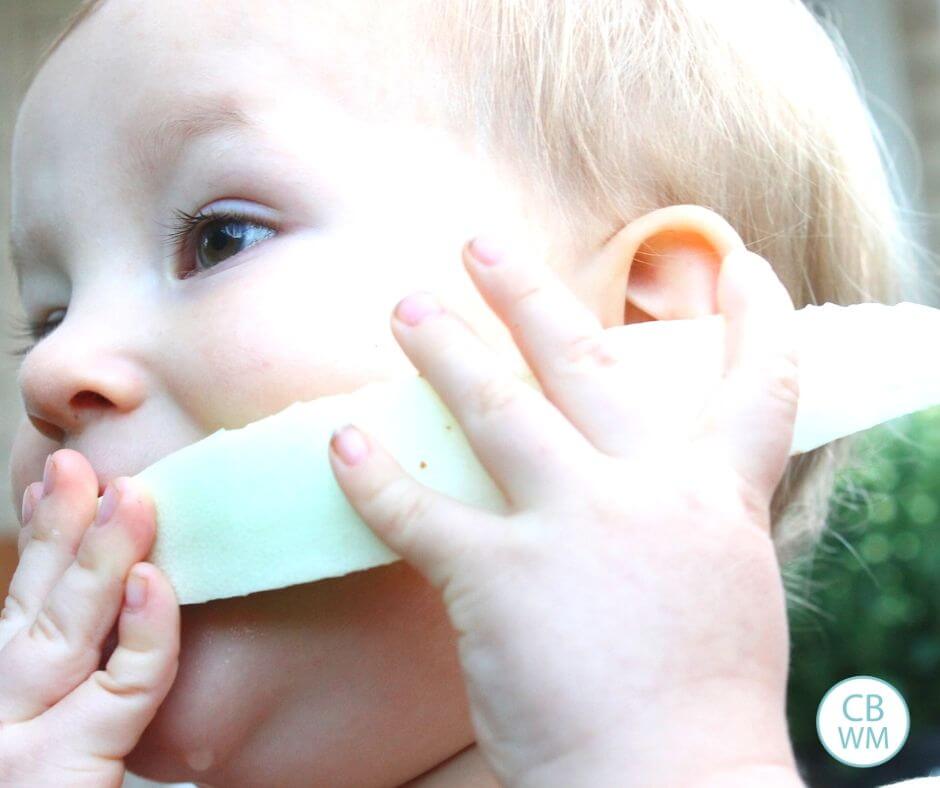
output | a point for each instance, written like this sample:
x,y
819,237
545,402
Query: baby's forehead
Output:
x,y
111,126
363,53
114,124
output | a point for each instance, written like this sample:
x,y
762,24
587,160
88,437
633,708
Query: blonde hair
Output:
x,y
612,108
608,109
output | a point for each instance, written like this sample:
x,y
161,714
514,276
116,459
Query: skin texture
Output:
x,y
347,681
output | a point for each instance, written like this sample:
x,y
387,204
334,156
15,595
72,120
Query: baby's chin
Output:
x,y
217,701
295,686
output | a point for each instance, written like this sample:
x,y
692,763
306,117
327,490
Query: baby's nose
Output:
x,y
66,388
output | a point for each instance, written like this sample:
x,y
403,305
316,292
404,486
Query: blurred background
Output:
x,y
870,595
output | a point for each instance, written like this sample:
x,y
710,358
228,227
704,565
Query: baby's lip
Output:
x,y
102,483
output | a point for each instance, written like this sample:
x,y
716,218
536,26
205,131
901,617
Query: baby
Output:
x,y
216,207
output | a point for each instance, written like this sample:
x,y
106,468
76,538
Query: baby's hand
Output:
x,y
63,720
625,622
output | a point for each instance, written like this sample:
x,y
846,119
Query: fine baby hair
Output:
x,y
608,109
748,108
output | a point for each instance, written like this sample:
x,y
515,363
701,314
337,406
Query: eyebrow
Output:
x,y
163,143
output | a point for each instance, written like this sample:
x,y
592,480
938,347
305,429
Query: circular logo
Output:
x,y
863,721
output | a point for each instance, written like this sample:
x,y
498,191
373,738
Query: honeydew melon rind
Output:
x,y
259,508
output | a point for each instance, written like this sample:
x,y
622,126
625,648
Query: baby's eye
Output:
x,y
35,331
213,238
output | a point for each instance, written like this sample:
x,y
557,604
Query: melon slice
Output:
x,y
258,508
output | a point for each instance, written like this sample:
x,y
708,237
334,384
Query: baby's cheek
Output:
x,y
265,337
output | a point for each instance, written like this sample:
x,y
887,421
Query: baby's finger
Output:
x,y
546,319
431,531
106,714
753,414
565,345
57,525
523,441
45,660
31,496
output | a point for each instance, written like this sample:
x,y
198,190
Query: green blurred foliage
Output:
x,y
873,583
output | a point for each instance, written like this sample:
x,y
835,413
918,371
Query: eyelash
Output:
x,y
30,331
185,225
182,229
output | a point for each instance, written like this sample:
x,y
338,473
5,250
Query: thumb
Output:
x,y
431,531
753,414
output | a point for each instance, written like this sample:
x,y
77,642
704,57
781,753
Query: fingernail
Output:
x,y
109,502
414,308
349,444
48,476
28,506
135,595
486,250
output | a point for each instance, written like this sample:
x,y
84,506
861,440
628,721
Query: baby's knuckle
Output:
x,y
784,376
44,534
603,510
534,293
121,687
47,627
409,505
587,353
496,395
86,557
382,494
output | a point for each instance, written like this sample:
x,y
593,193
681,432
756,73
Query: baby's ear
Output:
x,y
665,265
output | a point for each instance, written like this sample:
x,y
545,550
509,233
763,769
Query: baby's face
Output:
x,y
342,206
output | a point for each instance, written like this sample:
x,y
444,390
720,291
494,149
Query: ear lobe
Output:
x,y
673,257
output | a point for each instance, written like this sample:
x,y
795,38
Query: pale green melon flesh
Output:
x,y
259,508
